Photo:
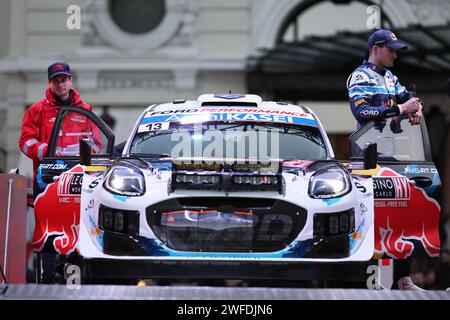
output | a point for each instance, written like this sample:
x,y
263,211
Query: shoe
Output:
x,y
406,283
379,286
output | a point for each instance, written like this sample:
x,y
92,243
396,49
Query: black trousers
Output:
x,y
47,268
402,268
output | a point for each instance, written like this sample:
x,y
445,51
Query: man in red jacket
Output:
x,y
37,126
37,123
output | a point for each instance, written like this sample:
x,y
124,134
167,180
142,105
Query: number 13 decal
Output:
x,y
154,126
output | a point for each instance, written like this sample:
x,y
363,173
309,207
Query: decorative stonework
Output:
x,y
137,80
431,12
99,29
186,33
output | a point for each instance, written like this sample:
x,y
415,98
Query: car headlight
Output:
x,y
125,181
329,184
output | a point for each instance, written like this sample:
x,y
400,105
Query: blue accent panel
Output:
x,y
162,165
120,198
299,249
41,183
370,90
330,202
296,250
151,247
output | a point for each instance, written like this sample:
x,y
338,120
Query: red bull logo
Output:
x,y
389,103
403,213
57,67
57,213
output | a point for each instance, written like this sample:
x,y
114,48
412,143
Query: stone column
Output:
x,y
15,108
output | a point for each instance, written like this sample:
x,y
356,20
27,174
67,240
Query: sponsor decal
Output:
x,y
94,183
157,126
57,213
358,77
57,67
360,187
229,110
416,170
389,103
53,166
361,101
370,112
78,118
69,184
235,116
391,188
363,208
301,164
404,212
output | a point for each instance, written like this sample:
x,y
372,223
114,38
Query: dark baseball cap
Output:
x,y
58,68
385,37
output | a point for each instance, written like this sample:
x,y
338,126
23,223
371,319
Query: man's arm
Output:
x,y
401,94
413,108
29,142
360,94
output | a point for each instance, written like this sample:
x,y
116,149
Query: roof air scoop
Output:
x,y
229,100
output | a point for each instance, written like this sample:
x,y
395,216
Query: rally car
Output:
x,y
231,186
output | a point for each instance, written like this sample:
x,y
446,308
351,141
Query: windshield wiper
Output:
x,y
287,129
150,155
149,135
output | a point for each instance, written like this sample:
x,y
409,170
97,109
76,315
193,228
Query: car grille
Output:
x,y
226,224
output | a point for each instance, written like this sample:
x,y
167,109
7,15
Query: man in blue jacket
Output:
x,y
376,94
374,91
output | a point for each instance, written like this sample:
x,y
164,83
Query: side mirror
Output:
x,y
370,156
85,153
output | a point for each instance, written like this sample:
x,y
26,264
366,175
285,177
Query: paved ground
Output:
x,y
111,292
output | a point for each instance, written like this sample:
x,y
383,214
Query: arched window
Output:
x,y
324,18
137,16
137,25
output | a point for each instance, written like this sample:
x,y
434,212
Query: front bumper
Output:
x,y
212,269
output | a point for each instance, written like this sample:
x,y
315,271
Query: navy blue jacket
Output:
x,y
374,93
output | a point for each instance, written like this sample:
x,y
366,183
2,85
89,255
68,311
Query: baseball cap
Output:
x,y
385,37
58,68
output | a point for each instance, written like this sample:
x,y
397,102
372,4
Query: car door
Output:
x,y
59,178
407,188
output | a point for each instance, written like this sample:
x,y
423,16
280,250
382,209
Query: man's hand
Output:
x,y
411,106
414,119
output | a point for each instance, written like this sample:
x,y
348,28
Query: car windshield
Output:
x,y
230,140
